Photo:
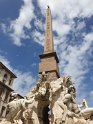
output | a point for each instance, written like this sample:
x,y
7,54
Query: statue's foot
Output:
x,y
18,121
63,122
4,121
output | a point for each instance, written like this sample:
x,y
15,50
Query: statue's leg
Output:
x,y
59,121
82,121
65,113
10,116
64,107
69,120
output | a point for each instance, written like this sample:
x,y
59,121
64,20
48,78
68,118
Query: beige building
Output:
x,y
6,81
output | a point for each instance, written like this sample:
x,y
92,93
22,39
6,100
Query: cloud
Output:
x,y
24,81
91,95
39,24
19,26
5,61
68,8
74,61
90,98
64,12
3,28
89,37
38,37
63,17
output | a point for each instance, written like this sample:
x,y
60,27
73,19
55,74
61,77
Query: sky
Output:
x,y
22,28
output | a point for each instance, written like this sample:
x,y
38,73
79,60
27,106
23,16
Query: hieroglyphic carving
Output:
x,y
48,34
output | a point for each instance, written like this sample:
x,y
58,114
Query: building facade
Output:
x,y
6,81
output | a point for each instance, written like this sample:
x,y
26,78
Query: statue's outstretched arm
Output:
x,y
29,101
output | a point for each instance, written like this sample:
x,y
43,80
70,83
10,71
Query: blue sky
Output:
x,y
22,26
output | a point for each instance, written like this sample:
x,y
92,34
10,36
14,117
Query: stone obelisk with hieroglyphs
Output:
x,y
49,44
49,60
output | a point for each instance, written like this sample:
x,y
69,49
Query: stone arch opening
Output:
x,y
45,115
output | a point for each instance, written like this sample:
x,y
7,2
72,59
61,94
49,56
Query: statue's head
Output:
x,y
67,81
13,95
72,90
43,73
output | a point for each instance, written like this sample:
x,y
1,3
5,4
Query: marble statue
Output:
x,y
60,97
16,109
43,77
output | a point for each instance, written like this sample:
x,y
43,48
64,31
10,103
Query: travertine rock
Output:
x,y
49,103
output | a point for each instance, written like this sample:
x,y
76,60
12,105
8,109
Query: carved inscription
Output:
x,y
48,25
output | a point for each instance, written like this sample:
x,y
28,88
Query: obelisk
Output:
x,y
49,60
49,45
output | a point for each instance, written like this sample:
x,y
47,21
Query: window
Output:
x,y
0,68
10,81
6,96
0,71
1,91
2,111
5,78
